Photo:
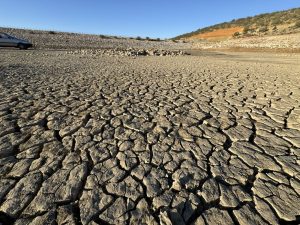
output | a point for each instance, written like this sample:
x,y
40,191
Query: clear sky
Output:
x,y
153,18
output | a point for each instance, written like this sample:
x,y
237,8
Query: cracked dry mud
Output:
x,y
148,140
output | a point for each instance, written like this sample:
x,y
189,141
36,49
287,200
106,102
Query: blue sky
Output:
x,y
153,18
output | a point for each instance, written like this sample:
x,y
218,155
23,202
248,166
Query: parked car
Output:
x,y
7,40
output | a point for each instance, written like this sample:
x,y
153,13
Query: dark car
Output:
x,y
7,40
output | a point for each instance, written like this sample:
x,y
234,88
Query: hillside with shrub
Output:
x,y
43,39
276,23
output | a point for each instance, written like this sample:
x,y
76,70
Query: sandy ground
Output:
x,y
212,138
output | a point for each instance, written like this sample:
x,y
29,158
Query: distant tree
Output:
x,y
147,38
52,32
138,38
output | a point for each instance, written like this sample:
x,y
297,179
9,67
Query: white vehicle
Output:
x,y
10,41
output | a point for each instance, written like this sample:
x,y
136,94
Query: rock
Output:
x,y
127,52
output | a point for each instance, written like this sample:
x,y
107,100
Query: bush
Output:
x,y
138,38
236,34
276,21
52,32
103,36
263,29
246,30
261,22
297,24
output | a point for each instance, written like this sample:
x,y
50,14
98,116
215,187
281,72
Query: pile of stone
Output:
x,y
128,52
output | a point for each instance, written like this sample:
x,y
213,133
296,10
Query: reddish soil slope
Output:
x,y
219,34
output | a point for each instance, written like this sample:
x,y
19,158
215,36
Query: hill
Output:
x,y
65,40
282,22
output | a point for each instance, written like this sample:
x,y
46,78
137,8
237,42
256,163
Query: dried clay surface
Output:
x,y
201,140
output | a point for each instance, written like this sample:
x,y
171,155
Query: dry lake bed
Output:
x,y
209,138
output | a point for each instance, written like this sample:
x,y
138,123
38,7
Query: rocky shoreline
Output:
x,y
128,52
